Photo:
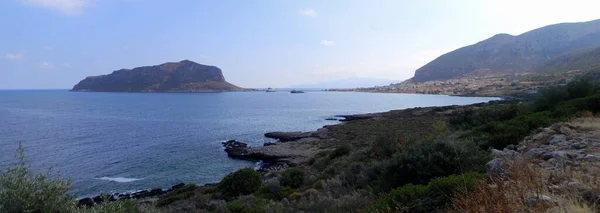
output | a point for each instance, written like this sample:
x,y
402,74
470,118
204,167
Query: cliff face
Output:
x,y
506,54
183,76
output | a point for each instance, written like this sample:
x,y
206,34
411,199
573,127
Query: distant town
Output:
x,y
505,85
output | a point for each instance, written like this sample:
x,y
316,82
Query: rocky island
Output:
x,y
183,76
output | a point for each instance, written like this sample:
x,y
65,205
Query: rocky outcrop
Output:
x,y
183,76
288,136
552,148
297,149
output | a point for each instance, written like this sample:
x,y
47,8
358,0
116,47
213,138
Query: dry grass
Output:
x,y
587,123
530,188
565,186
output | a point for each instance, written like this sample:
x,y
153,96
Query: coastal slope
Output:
x,y
183,76
508,54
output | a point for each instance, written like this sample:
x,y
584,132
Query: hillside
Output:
x,y
183,76
507,54
578,59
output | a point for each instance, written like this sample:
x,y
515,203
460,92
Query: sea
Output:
x,y
121,142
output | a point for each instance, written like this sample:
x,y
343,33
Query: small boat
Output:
x,y
270,89
297,91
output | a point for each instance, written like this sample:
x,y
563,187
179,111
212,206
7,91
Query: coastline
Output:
x,y
291,148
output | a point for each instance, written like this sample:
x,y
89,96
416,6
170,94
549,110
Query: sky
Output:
x,y
53,44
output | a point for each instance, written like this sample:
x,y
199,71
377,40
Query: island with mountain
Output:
x,y
183,76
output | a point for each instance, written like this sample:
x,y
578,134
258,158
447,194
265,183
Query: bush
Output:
x,y
340,151
179,194
293,177
437,194
242,182
422,161
22,191
247,204
385,146
274,191
125,206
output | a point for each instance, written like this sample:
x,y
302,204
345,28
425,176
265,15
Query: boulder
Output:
x,y
591,158
496,168
287,136
98,199
555,155
535,200
579,145
534,152
140,194
269,144
177,186
88,202
235,148
155,192
557,139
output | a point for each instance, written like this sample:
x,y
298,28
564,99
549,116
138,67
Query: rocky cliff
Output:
x,y
183,76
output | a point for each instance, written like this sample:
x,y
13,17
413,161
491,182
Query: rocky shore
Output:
x,y
291,149
141,196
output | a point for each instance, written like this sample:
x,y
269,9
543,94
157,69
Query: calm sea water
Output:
x,y
117,142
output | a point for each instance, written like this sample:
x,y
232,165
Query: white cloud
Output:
x,y
67,7
45,65
309,12
67,65
14,56
327,43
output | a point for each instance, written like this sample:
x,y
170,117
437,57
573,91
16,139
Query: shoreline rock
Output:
x,y
140,195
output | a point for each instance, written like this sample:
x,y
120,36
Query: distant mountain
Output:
x,y
183,76
575,60
505,54
348,83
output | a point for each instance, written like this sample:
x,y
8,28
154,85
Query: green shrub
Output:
x,y
437,194
384,146
340,151
247,204
182,193
241,182
292,177
422,161
319,184
124,206
23,191
274,191
235,206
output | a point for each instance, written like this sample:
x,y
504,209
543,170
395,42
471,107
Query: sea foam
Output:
x,y
119,179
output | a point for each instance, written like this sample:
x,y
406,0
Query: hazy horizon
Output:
x,y
53,44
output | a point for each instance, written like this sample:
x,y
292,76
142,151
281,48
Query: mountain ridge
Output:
x,y
508,54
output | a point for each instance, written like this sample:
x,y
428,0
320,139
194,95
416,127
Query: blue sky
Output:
x,y
47,44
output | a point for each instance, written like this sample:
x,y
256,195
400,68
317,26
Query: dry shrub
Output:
x,y
525,187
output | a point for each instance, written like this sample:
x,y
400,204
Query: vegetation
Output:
x,y
23,191
503,125
293,177
242,182
184,192
426,198
416,160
